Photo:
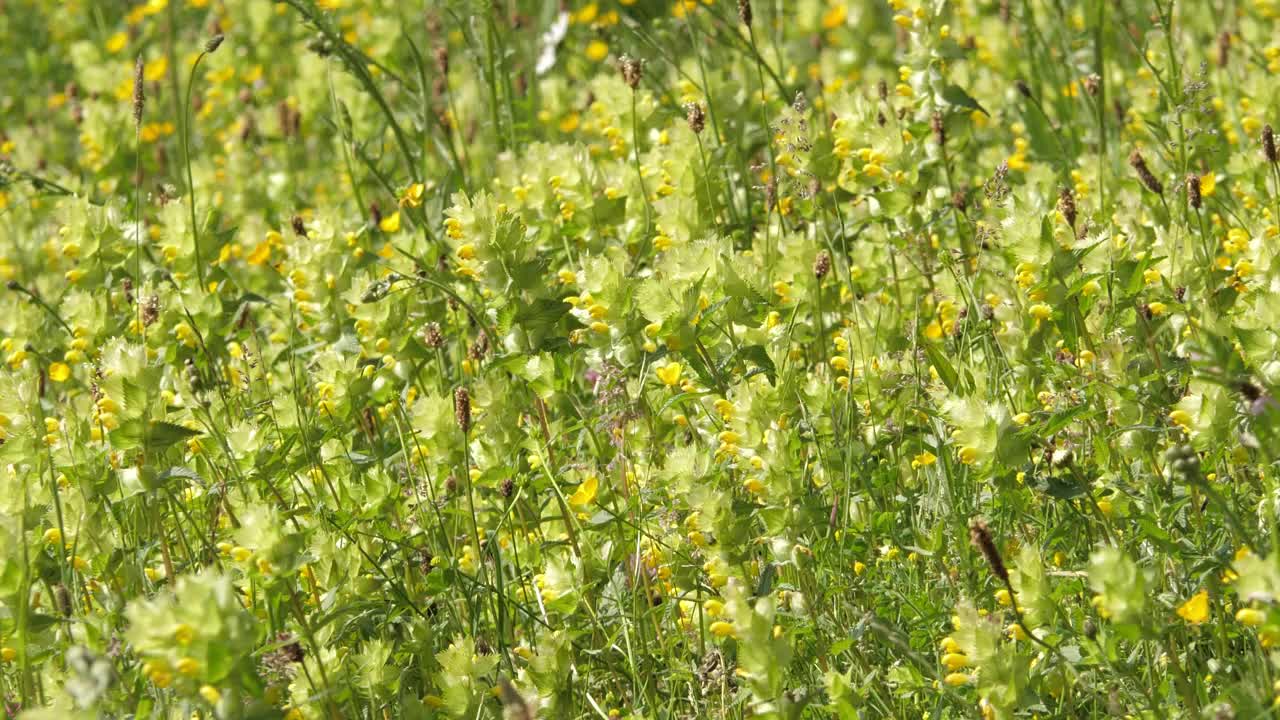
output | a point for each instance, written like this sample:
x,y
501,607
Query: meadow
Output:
x,y
639,359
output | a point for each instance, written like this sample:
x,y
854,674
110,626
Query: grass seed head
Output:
x,y
139,93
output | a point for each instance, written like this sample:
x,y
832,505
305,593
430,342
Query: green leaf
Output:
x,y
180,472
956,95
940,363
539,318
163,434
767,576
157,434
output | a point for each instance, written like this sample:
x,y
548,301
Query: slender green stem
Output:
x,y
186,158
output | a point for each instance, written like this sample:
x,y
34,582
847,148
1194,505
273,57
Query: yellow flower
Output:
x,y
1157,308
117,42
1250,617
969,455
210,694
8,654
586,492
1181,418
188,666
412,195
722,629
835,17
954,661
924,459
956,679
1208,184
570,122
261,254
597,50
59,372
1040,311
156,69
1196,609
53,536
390,223
669,374
1003,597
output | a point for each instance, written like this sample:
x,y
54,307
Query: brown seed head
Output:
x,y
442,60
822,265
632,70
980,537
139,93
431,335
1067,206
1269,144
462,408
480,347
1093,84
1144,173
939,129
214,42
744,12
150,310
696,116
1193,191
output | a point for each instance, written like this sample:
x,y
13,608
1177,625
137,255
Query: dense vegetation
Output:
x,y
639,359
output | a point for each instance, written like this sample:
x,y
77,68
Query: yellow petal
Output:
x,y
586,492
59,372
1196,609
261,254
390,223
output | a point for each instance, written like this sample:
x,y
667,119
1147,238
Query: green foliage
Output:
x,y
639,359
